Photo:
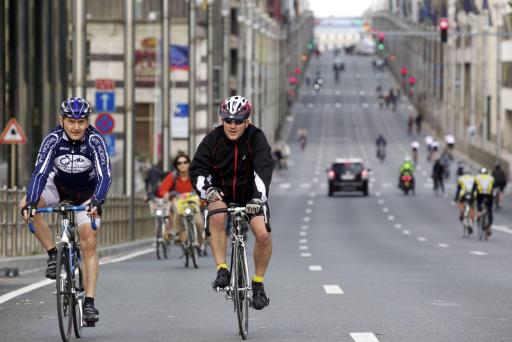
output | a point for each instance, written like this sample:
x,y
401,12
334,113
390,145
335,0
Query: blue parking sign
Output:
x,y
110,141
105,101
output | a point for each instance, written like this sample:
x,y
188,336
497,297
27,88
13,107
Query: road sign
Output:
x,y
105,84
104,123
105,101
110,141
13,133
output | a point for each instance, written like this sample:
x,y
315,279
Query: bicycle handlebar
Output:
x,y
61,209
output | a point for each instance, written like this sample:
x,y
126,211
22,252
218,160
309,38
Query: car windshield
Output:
x,y
347,168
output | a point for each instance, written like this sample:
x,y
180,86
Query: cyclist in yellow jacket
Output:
x,y
465,194
483,189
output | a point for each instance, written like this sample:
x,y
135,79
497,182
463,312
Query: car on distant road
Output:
x,y
348,174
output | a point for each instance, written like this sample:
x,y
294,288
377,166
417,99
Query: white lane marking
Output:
x,y
317,172
306,219
315,268
419,168
303,247
386,185
406,232
303,233
285,185
333,289
421,239
313,194
305,185
385,210
310,105
305,255
308,211
378,194
311,202
381,201
323,185
372,179
364,337
424,173
315,180
303,241
398,226
391,217
13,294
443,245
305,227
503,229
478,253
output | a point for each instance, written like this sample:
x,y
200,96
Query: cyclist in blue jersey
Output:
x,y
72,165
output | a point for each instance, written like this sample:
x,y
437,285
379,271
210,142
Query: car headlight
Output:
x,y
159,212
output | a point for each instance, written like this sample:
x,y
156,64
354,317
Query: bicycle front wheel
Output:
x,y
78,298
65,298
191,228
241,297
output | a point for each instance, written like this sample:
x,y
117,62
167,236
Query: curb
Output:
x,y
39,261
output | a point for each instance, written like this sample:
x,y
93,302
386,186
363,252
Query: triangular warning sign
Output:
x,y
13,133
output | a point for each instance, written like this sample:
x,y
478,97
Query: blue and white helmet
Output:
x,y
75,108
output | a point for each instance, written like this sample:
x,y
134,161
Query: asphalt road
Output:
x,y
387,267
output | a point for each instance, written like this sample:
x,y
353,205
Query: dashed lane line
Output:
x,y
303,233
333,289
305,227
306,218
311,202
398,226
303,247
503,229
303,241
406,232
443,245
315,268
385,210
421,239
478,253
305,255
391,217
364,337
308,211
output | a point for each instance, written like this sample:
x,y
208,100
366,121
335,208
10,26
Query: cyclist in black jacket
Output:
x,y
233,164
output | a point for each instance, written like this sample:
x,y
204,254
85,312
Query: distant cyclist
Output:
x,y
302,137
72,165
438,176
415,146
500,182
380,145
483,186
465,194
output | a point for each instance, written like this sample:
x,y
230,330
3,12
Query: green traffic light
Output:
x,y
381,46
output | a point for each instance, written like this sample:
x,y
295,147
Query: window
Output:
x,y
506,76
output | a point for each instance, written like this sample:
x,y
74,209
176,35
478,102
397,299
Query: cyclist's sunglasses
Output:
x,y
236,121
182,162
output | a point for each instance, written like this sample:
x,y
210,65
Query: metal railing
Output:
x,y
16,239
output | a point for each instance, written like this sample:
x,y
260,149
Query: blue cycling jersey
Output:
x,y
79,166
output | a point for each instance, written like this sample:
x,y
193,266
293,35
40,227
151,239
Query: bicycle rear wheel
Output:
x,y
241,292
78,299
65,298
481,225
192,250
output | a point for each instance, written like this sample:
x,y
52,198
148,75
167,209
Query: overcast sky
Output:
x,y
338,8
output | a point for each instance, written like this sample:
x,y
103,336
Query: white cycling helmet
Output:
x,y
449,139
415,145
483,171
429,140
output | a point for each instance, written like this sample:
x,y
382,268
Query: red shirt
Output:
x,y
180,185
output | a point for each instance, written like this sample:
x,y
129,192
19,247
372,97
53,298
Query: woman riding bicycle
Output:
x,y
174,184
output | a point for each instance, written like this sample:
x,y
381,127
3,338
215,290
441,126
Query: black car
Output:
x,y
348,174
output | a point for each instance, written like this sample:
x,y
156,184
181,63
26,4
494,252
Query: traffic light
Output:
x,y
380,46
443,29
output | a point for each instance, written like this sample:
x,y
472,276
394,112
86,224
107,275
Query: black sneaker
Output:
x,y
259,298
90,314
222,280
51,267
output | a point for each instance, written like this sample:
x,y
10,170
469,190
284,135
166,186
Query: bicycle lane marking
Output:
x,y
29,288
364,337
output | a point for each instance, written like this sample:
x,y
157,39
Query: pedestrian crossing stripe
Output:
x,y
13,133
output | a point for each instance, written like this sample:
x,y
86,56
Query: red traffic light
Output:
x,y
412,80
443,24
292,80
381,37
403,71
297,71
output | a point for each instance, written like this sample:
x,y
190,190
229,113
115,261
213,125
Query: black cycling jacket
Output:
x,y
242,168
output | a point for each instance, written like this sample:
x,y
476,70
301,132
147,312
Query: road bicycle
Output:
x,y
159,208
239,286
467,221
187,205
69,277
